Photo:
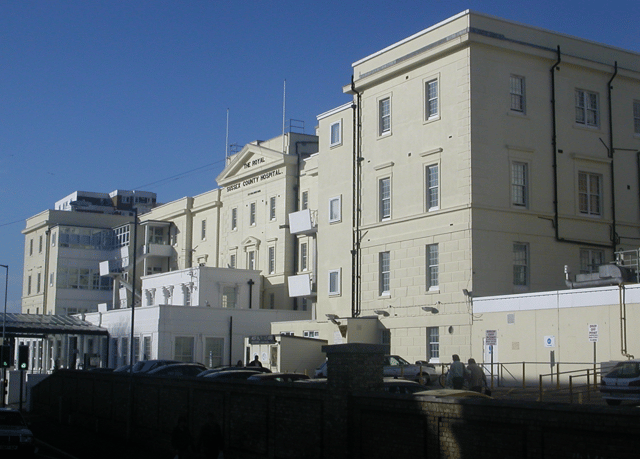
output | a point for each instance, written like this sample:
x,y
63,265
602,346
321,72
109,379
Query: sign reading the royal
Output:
x,y
593,333
253,162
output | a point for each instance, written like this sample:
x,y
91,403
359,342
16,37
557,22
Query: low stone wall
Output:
x,y
339,421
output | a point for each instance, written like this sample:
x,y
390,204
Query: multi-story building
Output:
x,y
477,158
63,248
481,156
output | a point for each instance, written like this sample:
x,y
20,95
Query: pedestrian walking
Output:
x,y
455,377
477,378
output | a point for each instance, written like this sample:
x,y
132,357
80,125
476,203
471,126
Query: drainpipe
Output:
x,y
623,322
554,143
614,234
355,250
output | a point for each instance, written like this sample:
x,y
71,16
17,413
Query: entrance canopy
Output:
x,y
39,325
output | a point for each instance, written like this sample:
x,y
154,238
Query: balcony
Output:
x,y
303,222
156,250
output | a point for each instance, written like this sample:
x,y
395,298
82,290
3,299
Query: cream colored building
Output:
x,y
476,159
490,154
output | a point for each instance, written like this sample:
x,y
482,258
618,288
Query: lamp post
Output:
x,y
4,322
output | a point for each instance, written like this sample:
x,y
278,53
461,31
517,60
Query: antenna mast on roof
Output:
x,y
284,105
226,141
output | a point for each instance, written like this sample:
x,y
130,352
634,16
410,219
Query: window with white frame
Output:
x,y
234,219
304,256
336,133
520,264
589,193
519,184
213,350
272,208
146,347
433,187
516,89
433,266
229,297
203,229
304,201
433,344
335,211
334,282
384,273
252,214
587,112
183,350
40,244
232,261
384,116
272,259
251,259
636,116
432,109
384,198
311,333
30,247
591,260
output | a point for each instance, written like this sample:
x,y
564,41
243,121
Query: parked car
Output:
x,y
16,439
401,386
178,369
452,393
123,369
321,371
397,367
231,375
277,377
227,368
622,383
144,366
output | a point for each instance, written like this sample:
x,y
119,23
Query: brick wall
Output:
x,y
340,421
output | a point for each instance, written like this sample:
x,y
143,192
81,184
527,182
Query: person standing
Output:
x,y
455,377
255,362
477,378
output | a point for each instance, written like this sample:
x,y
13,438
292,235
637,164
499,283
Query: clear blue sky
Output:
x,y
133,94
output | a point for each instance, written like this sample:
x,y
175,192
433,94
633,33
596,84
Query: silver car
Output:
x,y
397,367
622,383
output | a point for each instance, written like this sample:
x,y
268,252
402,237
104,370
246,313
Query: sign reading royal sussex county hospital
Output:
x,y
253,180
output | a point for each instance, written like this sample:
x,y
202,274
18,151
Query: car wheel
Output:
x,y
613,402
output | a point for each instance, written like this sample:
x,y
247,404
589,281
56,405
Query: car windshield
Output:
x,y
11,419
625,370
396,360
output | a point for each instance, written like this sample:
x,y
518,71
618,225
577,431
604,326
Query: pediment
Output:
x,y
251,241
251,160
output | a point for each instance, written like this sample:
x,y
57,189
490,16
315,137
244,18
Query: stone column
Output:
x,y
350,367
